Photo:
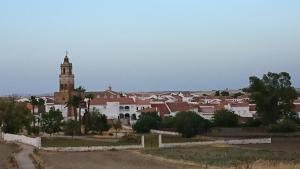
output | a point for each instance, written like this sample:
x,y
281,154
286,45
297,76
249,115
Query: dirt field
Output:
x,y
5,151
287,144
106,160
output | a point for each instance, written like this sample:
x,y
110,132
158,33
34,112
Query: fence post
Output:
x,y
143,141
39,142
159,141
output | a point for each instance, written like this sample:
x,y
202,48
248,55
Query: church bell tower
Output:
x,y
66,77
66,83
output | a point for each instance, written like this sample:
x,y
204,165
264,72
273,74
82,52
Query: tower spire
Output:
x,y
66,59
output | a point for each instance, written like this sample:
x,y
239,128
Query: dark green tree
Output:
x,y
74,103
14,117
190,124
225,118
225,93
217,93
98,122
236,95
34,102
71,128
81,95
41,108
51,121
146,122
273,95
87,115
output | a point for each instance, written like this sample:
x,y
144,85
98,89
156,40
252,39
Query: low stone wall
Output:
x,y
36,142
86,149
95,148
233,141
165,132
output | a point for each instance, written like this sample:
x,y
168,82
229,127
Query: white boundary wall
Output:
x,y
95,148
165,132
234,141
36,142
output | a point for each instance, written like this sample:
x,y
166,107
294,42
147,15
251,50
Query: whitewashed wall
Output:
x,y
95,148
165,132
234,141
36,142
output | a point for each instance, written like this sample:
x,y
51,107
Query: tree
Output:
x,y
236,95
117,125
51,121
73,103
273,95
217,93
87,115
146,122
190,124
225,93
225,118
81,91
89,97
98,122
14,117
34,102
71,128
40,104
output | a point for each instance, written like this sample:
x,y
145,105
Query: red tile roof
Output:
x,y
162,109
179,106
239,105
142,102
148,110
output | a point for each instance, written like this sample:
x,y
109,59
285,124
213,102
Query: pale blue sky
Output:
x,y
147,45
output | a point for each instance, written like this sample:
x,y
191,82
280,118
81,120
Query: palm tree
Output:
x,y
73,103
34,102
81,91
40,103
89,97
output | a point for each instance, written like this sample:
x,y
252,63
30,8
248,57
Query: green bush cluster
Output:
x,y
225,118
187,123
285,125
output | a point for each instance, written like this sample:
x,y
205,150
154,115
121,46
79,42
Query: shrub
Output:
x,y
129,139
35,130
190,124
286,125
225,118
146,122
168,123
71,128
253,123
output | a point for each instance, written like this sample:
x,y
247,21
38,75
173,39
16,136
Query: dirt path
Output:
x,y
23,159
106,160
5,151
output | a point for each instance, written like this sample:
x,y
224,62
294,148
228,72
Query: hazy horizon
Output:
x,y
147,46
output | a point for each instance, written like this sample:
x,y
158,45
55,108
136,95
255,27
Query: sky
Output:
x,y
150,45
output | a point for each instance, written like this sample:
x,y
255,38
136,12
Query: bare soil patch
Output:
x,y
105,160
285,144
6,149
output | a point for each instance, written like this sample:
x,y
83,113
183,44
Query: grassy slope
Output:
x,y
223,156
